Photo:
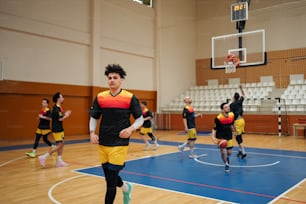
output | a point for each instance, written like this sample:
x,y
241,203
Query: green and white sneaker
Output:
x,y
31,154
127,195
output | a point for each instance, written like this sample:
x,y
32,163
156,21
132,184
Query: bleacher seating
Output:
x,y
208,98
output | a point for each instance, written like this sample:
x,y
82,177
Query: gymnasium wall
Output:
x,y
280,64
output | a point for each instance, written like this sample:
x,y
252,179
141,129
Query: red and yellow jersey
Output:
x,y
147,113
114,112
188,113
44,123
223,126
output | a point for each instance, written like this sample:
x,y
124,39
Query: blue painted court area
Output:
x,y
260,178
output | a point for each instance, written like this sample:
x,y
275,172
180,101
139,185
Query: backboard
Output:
x,y
248,46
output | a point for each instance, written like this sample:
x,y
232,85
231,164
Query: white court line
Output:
x,y
237,166
12,160
290,189
179,192
56,185
266,154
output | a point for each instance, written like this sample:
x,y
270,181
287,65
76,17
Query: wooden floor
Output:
x,y
23,180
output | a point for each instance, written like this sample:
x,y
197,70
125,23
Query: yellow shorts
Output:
x,y
229,143
192,134
239,125
58,136
113,155
43,132
144,131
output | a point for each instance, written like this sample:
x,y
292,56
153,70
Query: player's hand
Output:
x,y
68,113
94,138
126,133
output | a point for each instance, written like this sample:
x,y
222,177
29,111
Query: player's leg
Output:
x,y
111,184
192,137
143,132
35,145
153,138
239,124
46,140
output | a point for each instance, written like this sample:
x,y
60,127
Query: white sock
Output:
x,y
33,150
59,158
242,150
191,150
184,145
125,187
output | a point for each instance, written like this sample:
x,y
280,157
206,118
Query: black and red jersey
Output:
x,y
147,113
57,113
115,114
44,124
188,113
223,126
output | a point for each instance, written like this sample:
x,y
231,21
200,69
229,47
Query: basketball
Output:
x,y
222,143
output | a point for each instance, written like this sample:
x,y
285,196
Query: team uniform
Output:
x,y
223,127
43,130
188,113
147,128
189,116
115,112
237,108
57,125
147,125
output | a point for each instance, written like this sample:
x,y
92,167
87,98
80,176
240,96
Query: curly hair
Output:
x,y
115,68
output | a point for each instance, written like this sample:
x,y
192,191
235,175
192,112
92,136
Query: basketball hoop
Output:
x,y
231,62
230,67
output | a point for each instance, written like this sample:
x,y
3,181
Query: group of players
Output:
x,y
115,106
57,116
228,123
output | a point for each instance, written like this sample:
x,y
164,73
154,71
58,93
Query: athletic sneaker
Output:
x,y
180,148
243,156
239,154
42,160
226,168
156,145
31,154
61,164
147,146
127,195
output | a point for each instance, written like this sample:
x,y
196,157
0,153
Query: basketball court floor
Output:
x,y
266,175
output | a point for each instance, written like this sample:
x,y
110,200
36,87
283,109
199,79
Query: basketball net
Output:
x,y
230,67
231,62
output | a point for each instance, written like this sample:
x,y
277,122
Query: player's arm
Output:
x,y
213,136
66,115
125,133
185,124
94,138
242,91
199,115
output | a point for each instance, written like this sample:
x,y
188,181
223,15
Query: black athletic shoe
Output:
x,y
239,154
243,156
